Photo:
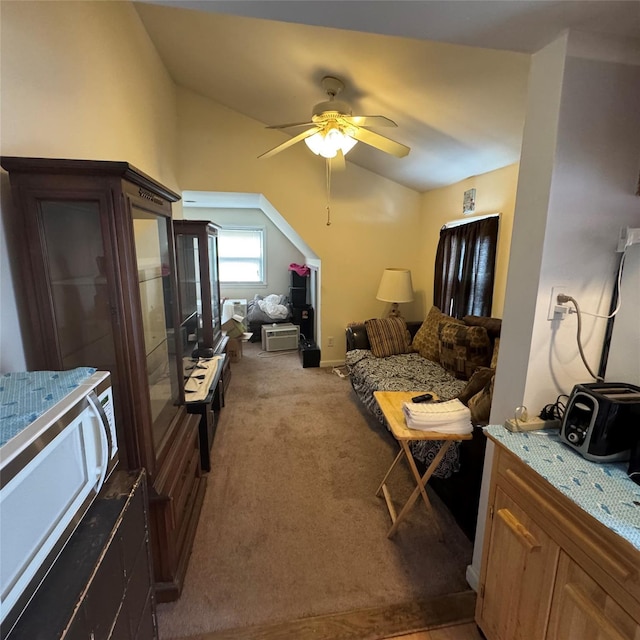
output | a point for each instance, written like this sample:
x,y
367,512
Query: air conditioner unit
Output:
x,y
280,337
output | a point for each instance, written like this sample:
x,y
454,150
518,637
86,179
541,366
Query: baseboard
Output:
x,y
332,363
473,578
363,624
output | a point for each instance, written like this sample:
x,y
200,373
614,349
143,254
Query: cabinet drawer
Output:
x,y
137,594
611,560
133,532
147,627
518,580
187,485
105,594
121,630
583,610
177,468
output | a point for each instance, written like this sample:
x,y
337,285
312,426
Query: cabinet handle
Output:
x,y
589,608
615,565
521,532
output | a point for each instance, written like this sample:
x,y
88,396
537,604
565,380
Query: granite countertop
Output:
x,y
603,490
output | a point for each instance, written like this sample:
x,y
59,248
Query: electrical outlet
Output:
x,y
628,236
330,341
555,309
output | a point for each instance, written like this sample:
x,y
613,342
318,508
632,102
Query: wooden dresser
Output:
x,y
101,584
561,556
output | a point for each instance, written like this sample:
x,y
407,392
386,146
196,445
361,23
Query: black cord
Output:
x,y
555,410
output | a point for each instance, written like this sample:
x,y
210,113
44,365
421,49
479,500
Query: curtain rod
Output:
x,y
457,223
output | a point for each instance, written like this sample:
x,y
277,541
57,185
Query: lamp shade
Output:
x,y
395,286
327,143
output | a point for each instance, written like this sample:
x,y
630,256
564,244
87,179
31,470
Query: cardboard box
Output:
x,y
234,327
234,349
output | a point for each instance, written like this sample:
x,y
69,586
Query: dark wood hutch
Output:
x,y
99,279
201,318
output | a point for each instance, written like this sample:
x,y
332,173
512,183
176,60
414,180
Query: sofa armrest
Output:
x,y
356,335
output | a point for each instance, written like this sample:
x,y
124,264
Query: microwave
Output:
x,y
602,420
58,445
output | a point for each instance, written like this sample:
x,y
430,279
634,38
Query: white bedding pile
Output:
x,y
270,305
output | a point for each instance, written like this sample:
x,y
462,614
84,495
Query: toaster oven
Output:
x,y
602,420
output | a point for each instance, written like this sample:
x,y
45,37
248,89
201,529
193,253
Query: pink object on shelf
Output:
x,y
300,269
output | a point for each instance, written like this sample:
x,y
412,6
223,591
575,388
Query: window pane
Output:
x,y
241,256
240,271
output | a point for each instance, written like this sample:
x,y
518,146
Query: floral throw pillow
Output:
x,y
388,336
463,349
481,376
427,340
480,403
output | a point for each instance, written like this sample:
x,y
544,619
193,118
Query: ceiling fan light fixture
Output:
x,y
327,143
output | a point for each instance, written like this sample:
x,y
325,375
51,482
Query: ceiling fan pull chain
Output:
x,y
328,163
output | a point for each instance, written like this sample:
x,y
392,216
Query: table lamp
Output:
x,y
395,287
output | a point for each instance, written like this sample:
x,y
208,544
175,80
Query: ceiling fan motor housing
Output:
x,y
343,108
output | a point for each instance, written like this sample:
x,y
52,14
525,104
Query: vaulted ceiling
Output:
x,y
451,74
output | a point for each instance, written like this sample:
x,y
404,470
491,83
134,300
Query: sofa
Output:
x,y
454,358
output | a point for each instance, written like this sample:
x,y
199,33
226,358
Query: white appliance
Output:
x,y
280,337
58,446
232,308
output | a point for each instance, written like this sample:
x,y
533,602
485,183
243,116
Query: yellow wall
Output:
x,y
374,220
83,80
79,80
495,193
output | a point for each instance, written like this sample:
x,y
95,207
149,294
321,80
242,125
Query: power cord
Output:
x,y
618,289
340,373
562,298
276,354
555,410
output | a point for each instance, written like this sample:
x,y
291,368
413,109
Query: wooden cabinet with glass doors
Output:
x,y
99,289
200,319
199,288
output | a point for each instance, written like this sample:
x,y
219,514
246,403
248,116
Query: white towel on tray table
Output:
x,y
444,417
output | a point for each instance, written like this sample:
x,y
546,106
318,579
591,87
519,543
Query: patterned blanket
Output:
x,y
405,372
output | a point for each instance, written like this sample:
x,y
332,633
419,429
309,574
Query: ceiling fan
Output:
x,y
333,130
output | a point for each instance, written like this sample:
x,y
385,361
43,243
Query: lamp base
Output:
x,y
395,311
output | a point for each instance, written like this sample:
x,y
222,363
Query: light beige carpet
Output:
x,y
291,526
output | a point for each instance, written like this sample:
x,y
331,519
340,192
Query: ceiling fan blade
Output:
x,y
380,142
371,121
291,124
290,142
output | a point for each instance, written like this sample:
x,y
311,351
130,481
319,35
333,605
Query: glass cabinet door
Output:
x,y
75,254
187,258
214,285
153,258
197,259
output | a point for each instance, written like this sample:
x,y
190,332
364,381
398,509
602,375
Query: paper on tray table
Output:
x,y
196,388
444,417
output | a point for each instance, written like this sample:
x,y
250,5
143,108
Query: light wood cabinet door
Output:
x,y
519,577
583,610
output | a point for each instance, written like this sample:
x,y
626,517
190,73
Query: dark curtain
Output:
x,y
465,268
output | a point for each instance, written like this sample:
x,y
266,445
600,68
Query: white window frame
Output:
x,y
263,257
